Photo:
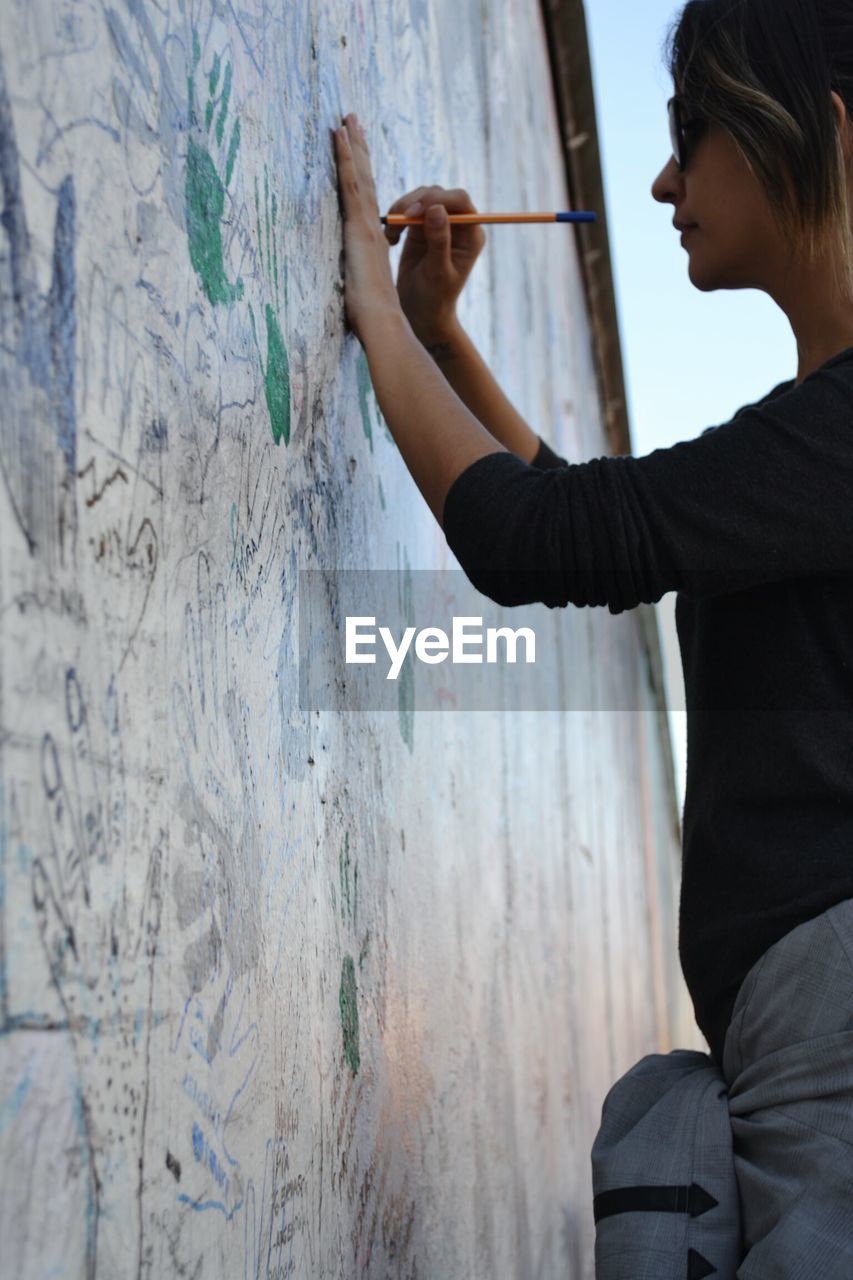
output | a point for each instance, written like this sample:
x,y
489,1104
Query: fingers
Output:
x,y
392,234
347,180
354,169
356,178
347,172
401,205
355,127
455,200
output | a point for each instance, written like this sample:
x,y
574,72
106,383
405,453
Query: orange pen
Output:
x,y
470,219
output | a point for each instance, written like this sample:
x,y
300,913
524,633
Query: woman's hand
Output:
x,y
436,260
368,283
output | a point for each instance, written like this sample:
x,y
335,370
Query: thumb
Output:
x,y
438,235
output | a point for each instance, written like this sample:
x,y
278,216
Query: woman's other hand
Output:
x,y
368,282
436,260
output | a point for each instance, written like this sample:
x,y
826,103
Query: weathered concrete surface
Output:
x,y
285,993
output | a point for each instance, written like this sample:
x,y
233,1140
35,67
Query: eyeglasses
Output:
x,y
684,130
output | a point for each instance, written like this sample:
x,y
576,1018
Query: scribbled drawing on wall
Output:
x,y
38,429
100,948
217,900
283,992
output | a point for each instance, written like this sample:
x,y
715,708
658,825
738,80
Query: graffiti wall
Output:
x,y
283,991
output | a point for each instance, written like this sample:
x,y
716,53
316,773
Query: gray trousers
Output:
x,y
748,1174
788,1062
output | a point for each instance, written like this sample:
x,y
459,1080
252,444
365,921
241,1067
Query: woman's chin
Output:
x,y
707,276
700,276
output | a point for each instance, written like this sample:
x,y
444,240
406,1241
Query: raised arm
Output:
x,y
473,381
761,499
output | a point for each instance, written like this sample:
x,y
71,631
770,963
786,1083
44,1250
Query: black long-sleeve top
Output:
x,y
751,523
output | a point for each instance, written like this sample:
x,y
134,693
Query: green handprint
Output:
x,y
277,370
205,190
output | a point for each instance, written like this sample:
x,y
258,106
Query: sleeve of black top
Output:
x,y
546,457
762,498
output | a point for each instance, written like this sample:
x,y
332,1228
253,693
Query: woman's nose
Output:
x,y
667,184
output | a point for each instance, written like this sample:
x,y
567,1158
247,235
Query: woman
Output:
x,y
751,523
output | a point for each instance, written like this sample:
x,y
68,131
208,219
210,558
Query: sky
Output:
x,y
691,359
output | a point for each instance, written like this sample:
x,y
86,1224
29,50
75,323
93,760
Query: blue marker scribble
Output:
x,y
198,1142
11,1106
44,330
207,1157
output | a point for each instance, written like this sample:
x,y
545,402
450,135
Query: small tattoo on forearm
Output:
x,y
440,351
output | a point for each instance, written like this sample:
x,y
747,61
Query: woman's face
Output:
x,y
733,241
